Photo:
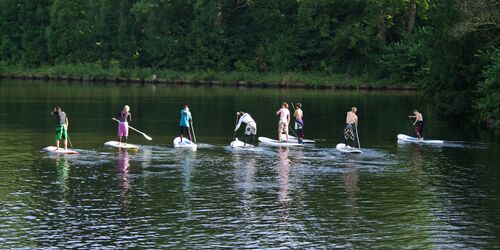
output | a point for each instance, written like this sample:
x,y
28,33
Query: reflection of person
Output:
x,y
251,126
284,180
418,123
299,123
351,123
62,123
123,167
125,117
186,119
284,114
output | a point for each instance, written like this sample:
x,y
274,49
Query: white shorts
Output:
x,y
251,129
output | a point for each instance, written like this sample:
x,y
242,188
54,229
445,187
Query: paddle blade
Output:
x,y
147,137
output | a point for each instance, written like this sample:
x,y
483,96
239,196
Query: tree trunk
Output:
x,y
411,16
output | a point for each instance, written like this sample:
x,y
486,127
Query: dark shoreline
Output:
x,y
132,80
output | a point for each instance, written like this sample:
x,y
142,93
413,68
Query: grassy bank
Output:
x,y
95,72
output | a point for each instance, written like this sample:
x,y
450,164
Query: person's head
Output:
x,y
185,106
299,105
240,113
415,111
126,108
283,104
57,108
354,109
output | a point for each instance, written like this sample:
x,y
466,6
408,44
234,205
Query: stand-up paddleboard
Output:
x,y
406,138
186,143
271,142
116,144
348,149
292,138
53,149
239,144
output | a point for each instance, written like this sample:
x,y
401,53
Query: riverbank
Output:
x,y
96,73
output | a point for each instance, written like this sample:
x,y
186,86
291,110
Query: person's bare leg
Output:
x,y
65,144
57,145
279,133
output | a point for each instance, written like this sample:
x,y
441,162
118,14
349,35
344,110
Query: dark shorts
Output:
x,y
183,130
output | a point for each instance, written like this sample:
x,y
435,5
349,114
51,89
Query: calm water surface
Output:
x,y
391,196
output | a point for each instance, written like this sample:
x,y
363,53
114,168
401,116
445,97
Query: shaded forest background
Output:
x,y
449,48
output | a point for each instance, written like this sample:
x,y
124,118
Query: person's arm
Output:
x,y
415,122
129,117
238,125
278,112
288,118
67,122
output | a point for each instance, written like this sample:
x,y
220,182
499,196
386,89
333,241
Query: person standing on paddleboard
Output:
x,y
351,123
124,117
418,123
251,128
185,121
284,115
299,123
62,123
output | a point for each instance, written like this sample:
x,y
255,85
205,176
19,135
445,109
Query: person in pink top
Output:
x,y
284,115
125,117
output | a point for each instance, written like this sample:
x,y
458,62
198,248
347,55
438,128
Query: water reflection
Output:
x,y
245,169
123,167
284,181
63,168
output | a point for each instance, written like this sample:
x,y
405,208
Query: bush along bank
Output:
x,y
96,73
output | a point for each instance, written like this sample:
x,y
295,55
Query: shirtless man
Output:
x,y
418,123
251,126
284,114
351,123
299,123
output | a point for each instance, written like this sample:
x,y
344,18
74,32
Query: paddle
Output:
x,y
142,133
194,136
236,123
70,144
357,137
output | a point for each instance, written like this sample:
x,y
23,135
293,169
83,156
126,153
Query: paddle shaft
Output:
x,y
142,133
357,136
194,136
235,124
70,144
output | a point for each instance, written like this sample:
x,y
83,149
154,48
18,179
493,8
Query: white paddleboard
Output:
x,y
407,138
186,143
239,144
348,149
292,138
271,142
53,149
116,144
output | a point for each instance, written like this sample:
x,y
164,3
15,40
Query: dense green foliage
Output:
x,y
434,44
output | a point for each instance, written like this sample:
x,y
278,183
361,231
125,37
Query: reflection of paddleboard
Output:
x,y
116,144
406,138
186,143
53,149
348,149
239,144
293,139
271,142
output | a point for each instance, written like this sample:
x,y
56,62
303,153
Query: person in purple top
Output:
x,y
125,117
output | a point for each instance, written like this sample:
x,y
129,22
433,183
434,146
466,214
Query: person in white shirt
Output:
x,y
284,115
251,128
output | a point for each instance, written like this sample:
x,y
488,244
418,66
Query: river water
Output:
x,y
391,196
